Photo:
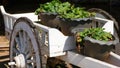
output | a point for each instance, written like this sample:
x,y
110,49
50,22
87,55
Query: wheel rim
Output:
x,y
24,46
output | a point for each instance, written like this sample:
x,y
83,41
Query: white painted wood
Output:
x,y
9,19
108,24
88,62
114,59
58,43
31,16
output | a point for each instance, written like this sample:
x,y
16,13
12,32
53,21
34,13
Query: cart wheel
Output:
x,y
103,14
24,48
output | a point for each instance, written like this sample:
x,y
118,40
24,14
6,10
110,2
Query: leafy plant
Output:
x,y
63,7
95,33
54,6
77,13
50,7
65,10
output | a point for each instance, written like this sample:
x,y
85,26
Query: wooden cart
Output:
x,y
32,42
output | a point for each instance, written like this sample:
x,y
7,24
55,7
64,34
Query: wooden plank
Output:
x,y
4,56
4,42
86,62
4,48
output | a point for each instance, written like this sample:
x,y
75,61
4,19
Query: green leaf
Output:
x,y
96,33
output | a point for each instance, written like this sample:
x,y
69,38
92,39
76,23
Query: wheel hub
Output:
x,y
19,61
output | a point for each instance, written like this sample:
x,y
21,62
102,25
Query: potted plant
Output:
x,y
75,17
47,12
96,43
68,16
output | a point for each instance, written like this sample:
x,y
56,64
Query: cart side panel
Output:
x,y
8,21
59,44
54,43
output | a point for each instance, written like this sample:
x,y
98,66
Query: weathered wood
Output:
x,y
24,45
88,62
4,42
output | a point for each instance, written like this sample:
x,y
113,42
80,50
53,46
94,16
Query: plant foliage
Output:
x,y
54,6
65,10
77,13
50,7
95,33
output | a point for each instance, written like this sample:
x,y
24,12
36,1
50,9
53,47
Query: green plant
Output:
x,y
63,7
54,6
65,10
50,7
95,33
77,13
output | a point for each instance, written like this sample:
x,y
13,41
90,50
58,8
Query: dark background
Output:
x,y
22,6
19,6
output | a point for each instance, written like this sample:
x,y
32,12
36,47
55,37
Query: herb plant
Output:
x,y
95,33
